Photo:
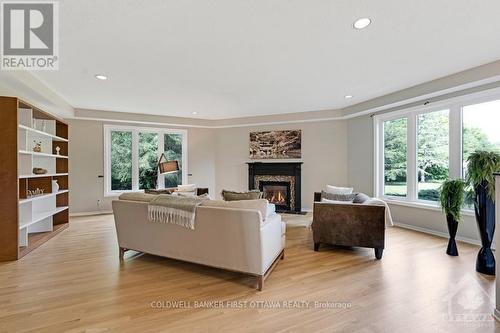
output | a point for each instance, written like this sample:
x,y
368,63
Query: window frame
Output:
x,y
107,129
455,108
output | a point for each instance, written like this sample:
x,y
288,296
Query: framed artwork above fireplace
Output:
x,y
276,144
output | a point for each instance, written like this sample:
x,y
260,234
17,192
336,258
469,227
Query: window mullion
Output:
x,y
411,178
161,150
455,143
135,160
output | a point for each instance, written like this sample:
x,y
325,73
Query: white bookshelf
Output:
x,y
44,175
41,133
41,197
25,152
37,214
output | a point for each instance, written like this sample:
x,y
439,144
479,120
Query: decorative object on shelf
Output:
x,y
58,149
451,199
37,148
275,144
55,186
35,193
39,171
481,166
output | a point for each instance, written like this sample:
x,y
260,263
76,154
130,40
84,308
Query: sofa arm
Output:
x,y
349,224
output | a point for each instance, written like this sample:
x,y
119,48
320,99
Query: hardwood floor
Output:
x,y
76,283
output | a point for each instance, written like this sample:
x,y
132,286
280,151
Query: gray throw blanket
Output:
x,y
166,208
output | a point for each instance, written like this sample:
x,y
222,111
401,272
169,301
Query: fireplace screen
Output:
x,y
277,193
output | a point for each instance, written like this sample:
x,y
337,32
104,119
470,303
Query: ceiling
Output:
x,y
237,58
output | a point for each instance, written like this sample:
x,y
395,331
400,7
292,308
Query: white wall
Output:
x,y
324,156
216,159
86,159
360,166
334,152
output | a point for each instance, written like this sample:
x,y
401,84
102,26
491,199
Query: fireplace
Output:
x,y
279,183
277,193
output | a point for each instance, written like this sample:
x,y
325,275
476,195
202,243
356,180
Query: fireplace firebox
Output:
x,y
279,183
277,193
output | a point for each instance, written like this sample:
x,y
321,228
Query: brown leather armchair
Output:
x,y
348,225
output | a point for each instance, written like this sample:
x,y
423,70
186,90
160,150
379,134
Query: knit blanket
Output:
x,y
165,208
380,202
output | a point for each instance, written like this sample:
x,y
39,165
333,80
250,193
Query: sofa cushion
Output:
x,y
338,197
338,190
237,196
259,204
186,188
137,196
361,198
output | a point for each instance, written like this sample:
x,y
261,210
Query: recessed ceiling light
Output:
x,y
347,96
101,77
194,112
362,23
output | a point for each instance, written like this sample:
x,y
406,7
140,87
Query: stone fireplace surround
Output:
x,y
278,172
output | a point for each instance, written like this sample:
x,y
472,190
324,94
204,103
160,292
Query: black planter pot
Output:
x,y
452,230
484,208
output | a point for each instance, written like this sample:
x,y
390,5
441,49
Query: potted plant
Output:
x,y
451,199
481,165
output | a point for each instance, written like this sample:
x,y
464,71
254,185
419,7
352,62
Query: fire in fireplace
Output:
x,y
277,193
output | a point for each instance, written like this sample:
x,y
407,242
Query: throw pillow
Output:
x,y
136,196
186,188
185,193
335,201
338,197
338,190
234,196
361,198
260,205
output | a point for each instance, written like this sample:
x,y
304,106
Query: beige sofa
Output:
x,y
242,237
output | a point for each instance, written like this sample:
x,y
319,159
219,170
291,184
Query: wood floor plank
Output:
x,y
76,283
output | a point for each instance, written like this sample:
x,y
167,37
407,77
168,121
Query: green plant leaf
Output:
x,y
481,166
451,197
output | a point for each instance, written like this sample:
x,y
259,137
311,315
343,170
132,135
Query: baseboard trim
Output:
x,y
437,233
98,212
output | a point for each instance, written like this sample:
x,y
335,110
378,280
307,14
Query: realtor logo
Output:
x,y
29,35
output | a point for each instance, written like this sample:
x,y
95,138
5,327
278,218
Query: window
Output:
x,y
148,159
417,149
173,151
395,157
121,161
480,129
432,153
131,155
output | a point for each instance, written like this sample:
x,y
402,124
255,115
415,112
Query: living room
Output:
x,y
244,166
